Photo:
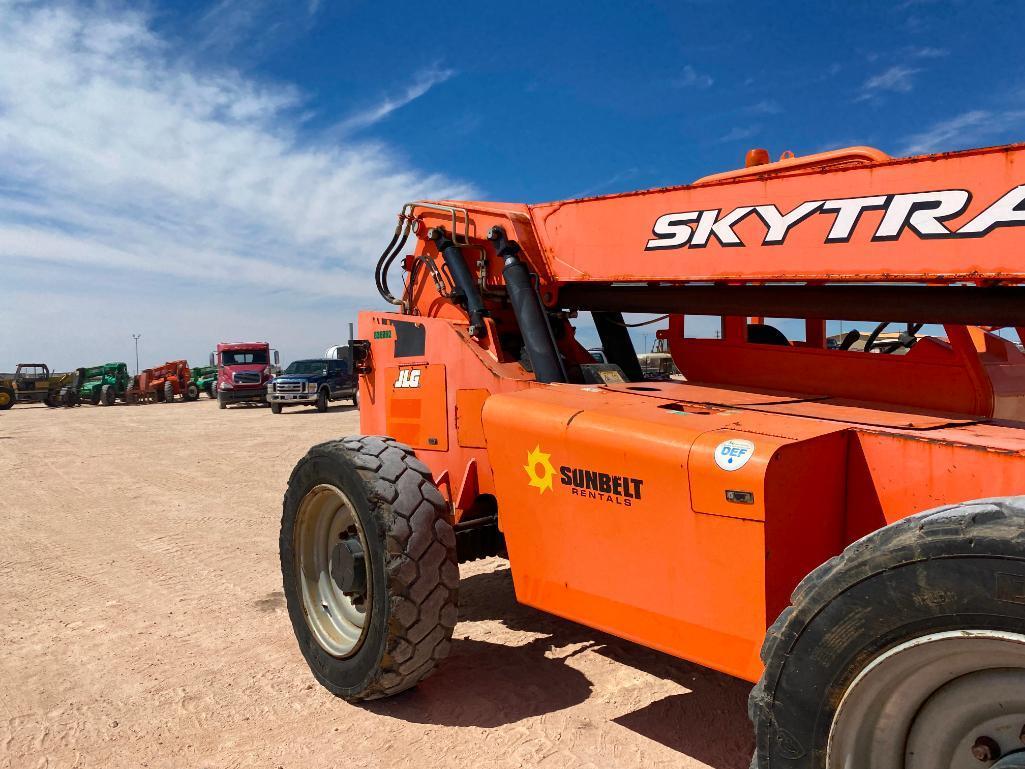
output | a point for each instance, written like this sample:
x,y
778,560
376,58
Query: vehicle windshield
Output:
x,y
243,357
306,367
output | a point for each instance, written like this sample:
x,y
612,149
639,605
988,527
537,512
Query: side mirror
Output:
x,y
277,360
213,359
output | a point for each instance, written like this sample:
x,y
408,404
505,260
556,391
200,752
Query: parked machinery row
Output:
x,y
238,372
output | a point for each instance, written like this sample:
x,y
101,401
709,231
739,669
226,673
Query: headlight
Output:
x,y
226,386
311,387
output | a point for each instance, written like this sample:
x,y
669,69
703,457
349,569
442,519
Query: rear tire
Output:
x,y
378,489
95,396
7,398
848,664
191,392
275,408
355,397
322,401
53,401
108,396
168,392
211,391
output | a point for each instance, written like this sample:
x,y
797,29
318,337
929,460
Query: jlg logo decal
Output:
x,y
408,378
924,213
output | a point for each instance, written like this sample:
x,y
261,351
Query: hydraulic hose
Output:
x,y
394,248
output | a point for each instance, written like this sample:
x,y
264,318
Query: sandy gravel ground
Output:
x,y
142,624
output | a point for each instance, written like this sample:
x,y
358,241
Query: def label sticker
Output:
x,y
733,454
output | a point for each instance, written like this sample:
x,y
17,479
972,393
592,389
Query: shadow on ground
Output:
x,y
708,723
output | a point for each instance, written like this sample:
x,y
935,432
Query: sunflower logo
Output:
x,y
542,480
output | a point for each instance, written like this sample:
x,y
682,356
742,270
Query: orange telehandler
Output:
x,y
837,520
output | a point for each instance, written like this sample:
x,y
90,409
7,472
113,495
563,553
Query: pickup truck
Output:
x,y
314,381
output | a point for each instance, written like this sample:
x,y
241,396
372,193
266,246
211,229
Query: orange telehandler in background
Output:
x,y
799,512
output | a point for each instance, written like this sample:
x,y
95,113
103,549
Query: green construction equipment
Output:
x,y
205,378
99,385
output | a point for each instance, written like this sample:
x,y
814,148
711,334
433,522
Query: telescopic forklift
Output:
x,y
840,522
99,385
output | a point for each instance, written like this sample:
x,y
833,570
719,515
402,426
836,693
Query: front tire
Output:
x,y
322,401
907,650
191,392
363,513
168,392
108,396
355,398
222,402
275,408
7,398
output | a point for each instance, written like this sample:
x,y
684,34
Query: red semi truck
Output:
x,y
243,369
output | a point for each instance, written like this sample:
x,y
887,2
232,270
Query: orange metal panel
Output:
x,y
417,406
469,427
604,239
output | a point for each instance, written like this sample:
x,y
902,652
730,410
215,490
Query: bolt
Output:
x,y
986,749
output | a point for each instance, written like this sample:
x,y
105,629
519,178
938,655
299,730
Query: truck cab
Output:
x,y
315,381
243,370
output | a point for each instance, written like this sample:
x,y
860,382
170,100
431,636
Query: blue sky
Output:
x,y
197,171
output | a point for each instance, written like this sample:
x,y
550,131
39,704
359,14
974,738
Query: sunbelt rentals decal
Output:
x,y
584,482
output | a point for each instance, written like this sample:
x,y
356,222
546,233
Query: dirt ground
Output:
x,y
142,623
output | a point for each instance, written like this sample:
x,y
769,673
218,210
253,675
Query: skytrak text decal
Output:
x,y
589,484
923,213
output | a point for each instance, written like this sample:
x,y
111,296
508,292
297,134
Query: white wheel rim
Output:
x,y
926,703
336,621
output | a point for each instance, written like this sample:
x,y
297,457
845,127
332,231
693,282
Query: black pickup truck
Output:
x,y
315,381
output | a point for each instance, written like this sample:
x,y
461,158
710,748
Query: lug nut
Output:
x,y
986,749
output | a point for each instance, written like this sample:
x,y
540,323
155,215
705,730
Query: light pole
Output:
x,y
136,338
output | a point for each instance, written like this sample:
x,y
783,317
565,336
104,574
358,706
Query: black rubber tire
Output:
x,y
211,391
952,568
355,398
191,392
168,392
412,557
275,408
53,401
95,396
222,402
108,395
322,400
7,401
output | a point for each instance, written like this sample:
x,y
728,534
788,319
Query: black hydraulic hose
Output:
x,y
530,314
466,291
399,238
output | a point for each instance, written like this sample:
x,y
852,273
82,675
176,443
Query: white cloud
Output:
x,y
117,157
691,78
421,84
765,107
965,130
739,133
927,52
897,79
